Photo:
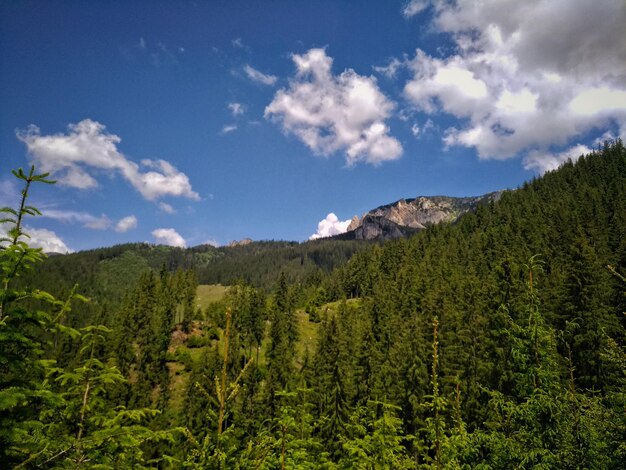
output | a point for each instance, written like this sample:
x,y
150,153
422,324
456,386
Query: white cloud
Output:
x,y
99,223
238,43
126,223
169,236
545,161
330,226
84,218
71,158
228,129
47,240
330,113
445,84
42,238
165,207
90,221
598,100
260,77
520,82
237,109
413,7
165,181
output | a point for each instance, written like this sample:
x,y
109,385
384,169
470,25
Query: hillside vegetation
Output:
x,y
494,342
107,272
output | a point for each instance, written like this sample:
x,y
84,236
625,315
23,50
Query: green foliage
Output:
x,y
23,365
248,305
378,441
85,428
53,416
523,367
261,263
215,449
283,335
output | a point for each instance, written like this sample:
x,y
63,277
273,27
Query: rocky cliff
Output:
x,y
245,241
407,216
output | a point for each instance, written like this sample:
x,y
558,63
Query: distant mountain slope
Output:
x,y
104,274
261,262
407,216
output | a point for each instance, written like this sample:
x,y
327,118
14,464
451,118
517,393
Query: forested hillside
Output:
x,y
107,272
261,263
495,342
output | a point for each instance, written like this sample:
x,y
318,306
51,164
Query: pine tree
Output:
x,y
90,431
378,441
281,349
51,416
23,366
541,425
218,447
330,371
586,304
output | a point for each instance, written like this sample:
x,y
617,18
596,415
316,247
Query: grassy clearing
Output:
x,y
333,307
308,336
308,330
178,383
209,293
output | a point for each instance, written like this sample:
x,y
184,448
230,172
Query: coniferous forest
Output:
x,y
496,342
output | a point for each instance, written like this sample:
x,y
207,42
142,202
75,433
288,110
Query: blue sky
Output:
x,y
190,122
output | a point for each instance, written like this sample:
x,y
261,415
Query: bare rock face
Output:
x,y
245,241
375,228
354,223
407,216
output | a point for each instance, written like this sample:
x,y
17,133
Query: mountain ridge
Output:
x,y
407,216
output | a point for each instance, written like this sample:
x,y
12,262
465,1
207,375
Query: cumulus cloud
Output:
x,y
254,75
599,100
329,113
47,240
521,82
546,161
126,223
42,238
330,226
169,236
87,147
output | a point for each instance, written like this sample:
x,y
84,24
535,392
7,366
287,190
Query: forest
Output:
x,y
496,342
